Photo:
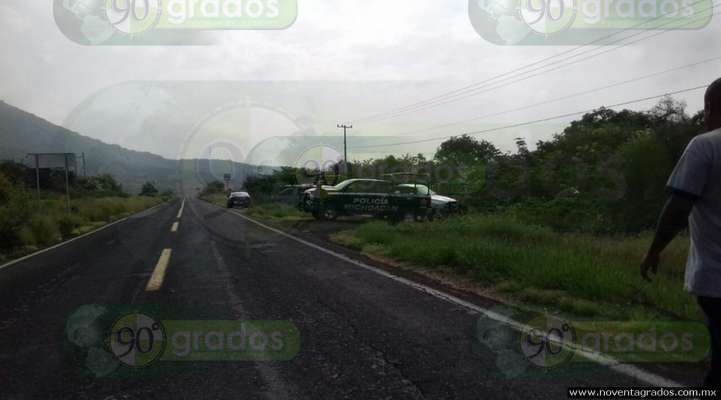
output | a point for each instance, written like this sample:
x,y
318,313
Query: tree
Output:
x,y
669,110
16,173
465,151
214,187
149,190
616,161
103,185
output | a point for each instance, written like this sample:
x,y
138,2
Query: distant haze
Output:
x,y
340,61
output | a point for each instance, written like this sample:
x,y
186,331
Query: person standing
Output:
x,y
695,199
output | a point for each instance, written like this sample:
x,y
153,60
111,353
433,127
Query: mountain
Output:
x,y
22,133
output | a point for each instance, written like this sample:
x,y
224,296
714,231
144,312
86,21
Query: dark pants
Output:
x,y
711,306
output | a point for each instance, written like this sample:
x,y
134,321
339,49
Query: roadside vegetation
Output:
x,y
278,212
561,225
214,192
29,223
261,206
575,273
604,174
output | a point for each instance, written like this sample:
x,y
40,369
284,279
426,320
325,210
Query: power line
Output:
x,y
473,89
535,121
557,99
526,77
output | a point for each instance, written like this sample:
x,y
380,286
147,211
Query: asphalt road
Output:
x,y
363,335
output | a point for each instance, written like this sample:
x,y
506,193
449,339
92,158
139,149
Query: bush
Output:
x,y
167,195
68,223
214,187
44,230
149,190
5,189
14,211
26,236
572,214
25,222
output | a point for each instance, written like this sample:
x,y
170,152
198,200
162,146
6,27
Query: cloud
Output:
x,y
429,46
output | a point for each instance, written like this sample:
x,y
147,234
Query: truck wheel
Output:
x,y
306,203
395,219
330,214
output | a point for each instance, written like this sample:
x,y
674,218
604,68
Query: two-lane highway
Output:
x,y
363,335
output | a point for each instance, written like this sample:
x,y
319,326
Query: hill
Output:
x,y
22,133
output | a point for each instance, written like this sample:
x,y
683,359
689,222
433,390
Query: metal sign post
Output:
x,y
37,174
55,160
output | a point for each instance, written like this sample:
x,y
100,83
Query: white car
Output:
x,y
441,206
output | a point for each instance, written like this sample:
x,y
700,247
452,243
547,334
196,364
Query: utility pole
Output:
x,y
345,148
37,174
67,181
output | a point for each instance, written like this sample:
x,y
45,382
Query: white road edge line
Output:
x,y
625,369
100,229
182,207
158,277
174,228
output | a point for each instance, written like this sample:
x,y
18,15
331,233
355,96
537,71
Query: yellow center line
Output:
x,y
156,280
174,228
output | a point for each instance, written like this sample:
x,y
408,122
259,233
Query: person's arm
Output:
x,y
673,220
686,183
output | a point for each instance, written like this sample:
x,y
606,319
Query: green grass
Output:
x,y
269,211
49,221
219,199
576,273
277,212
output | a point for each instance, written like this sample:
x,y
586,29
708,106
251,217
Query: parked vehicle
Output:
x,y
441,206
292,194
239,199
379,198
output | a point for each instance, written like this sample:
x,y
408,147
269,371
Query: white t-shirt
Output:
x,y
698,174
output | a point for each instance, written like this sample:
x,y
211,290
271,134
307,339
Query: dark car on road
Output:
x,y
239,199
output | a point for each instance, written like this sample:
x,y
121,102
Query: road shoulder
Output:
x,y
655,375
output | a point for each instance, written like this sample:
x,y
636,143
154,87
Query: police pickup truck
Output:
x,y
379,198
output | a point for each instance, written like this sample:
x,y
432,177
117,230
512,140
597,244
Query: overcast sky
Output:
x,y
341,61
